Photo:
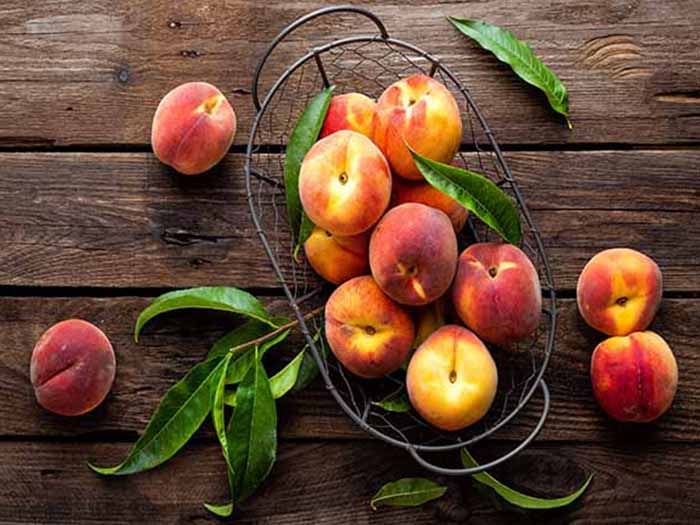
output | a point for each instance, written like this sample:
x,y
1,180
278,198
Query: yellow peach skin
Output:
x,y
336,258
634,377
619,291
404,191
345,183
452,378
353,111
430,318
369,333
422,112
193,128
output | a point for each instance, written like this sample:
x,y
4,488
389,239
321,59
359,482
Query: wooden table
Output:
x,y
92,226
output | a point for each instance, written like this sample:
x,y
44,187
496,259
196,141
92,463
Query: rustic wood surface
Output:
x,y
92,226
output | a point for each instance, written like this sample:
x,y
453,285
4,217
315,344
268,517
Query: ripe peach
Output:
x,y
404,191
619,291
634,377
353,111
497,292
422,112
452,379
193,128
430,318
337,258
72,368
413,253
369,333
344,183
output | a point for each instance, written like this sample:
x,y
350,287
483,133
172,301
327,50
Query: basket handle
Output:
x,y
300,22
474,470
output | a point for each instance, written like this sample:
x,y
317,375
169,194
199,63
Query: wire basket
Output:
x,y
369,64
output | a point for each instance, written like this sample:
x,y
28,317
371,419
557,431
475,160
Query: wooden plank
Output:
x,y
333,483
123,220
76,74
172,344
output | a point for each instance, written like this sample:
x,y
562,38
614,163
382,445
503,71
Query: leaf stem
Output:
x,y
253,342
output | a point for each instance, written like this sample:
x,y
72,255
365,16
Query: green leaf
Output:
x,y
407,492
240,366
178,416
520,57
223,511
214,298
309,369
476,193
304,233
252,432
280,383
302,138
395,402
252,329
517,498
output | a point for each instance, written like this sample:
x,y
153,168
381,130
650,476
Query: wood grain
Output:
x,y
123,220
172,344
330,483
78,74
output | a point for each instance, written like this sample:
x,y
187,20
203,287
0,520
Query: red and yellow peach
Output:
x,y
413,253
345,183
619,291
353,111
72,368
497,292
452,379
337,258
193,128
634,377
368,333
421,112
404,191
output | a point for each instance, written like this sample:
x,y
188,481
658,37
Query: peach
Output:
x,y
353,111
72,368
193,128
422,112
452,379
413,253
337,258
368,333
497,292
404,191
429,318
634,377
619,291
344,183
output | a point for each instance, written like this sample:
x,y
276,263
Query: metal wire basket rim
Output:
x,y
292,300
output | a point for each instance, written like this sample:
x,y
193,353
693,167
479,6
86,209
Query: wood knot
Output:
x,y
617,54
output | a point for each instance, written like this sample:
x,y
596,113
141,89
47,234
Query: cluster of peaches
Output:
x,y
389,240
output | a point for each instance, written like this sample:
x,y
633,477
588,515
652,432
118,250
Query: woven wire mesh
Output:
x,y
369,66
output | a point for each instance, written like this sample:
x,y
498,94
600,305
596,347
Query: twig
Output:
x,y
254,342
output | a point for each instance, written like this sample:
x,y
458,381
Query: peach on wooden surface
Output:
x,y
413,253
345,183
337,258
353,111
497,292
422,112
72,367
404,191
452,379
634,377
619,291
193,128
368,333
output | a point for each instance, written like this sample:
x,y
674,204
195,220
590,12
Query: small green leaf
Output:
x,y
476,193
517,498
252,432
302,138
395,402
309,369
407,492
223,511
520,57
178,416
239,367
252,329
280,383
214,298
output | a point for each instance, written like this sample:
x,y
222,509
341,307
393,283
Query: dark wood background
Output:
x,y
92,226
